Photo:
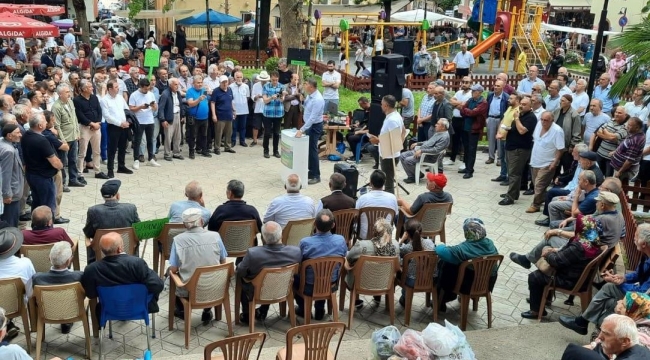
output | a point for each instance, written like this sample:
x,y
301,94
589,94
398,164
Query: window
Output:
x,y
277,22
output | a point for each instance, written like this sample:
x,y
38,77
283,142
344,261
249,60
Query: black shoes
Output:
x,y
101,175
230,151
111,174
506,201
178,156
375,167
532,314
168,158
60,220
500,179
192,156
544,222
520,260
570,323
217,151
409,181
529,192
25,217
468,175
12,331
464,171
206,317
75,184
259,316
65,328
124,170
277,155
267,156
206,154
243,144
313,181
504,183
82,180
320,314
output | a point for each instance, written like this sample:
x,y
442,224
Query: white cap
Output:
x,y
223,78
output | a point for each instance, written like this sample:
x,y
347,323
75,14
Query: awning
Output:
x,y
370,12
570,4
418,16
550,27
156,14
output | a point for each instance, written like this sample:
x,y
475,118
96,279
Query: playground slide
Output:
x,y
477,50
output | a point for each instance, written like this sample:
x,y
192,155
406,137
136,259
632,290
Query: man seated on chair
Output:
x,y
604,302
431,149
273,254
323,243
59,274
359,125
235,209
337,200
43,230
376,197
119,268
110,215
291,206
435,184
191,249
194,194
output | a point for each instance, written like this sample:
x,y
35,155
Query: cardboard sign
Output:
x,y
149,229
151,58
390,142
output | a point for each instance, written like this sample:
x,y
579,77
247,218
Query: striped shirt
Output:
x,y
629,150
427,105
607,146
274,108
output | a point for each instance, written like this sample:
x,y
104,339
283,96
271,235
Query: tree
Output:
x,y
447,4
633,41
135,6
291,24
80,10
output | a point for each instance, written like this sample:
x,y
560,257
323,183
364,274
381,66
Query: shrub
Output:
x,y
573,57
271,64
235,62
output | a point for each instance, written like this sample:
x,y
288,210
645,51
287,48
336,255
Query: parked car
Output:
x,y
105,14
112,22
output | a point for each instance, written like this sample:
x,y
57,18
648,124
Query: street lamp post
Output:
x,y
599,44
207,22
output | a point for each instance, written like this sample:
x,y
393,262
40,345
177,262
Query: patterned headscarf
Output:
x,y
637,305
588,231
474,229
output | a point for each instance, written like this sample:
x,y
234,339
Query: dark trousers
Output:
x,y
423,131
247,289
292,117
71,161
104,142
457,137
313,164
209,139
566,160
147,130
388,168
605,166
517,162
550,194
197,135
43,191
353,141
239,127
309,290
116,143
644,172
271,127
11,213
360,66
373,151
470,144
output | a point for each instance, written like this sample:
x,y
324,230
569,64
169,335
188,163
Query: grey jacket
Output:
x,y
445,110
572,126
12,171
436,143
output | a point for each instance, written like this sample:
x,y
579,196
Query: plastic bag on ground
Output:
x,y
383,341
463,350
411,346
440,340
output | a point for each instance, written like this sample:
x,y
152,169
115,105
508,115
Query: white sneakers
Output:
x,y
153,163
136,165
461,166
448,162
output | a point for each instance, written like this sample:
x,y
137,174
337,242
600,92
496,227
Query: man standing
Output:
x,y
407,104
292,99
545,157
143,103
431,148
89,115
337,200
171,114
235,209
41,163
552,100
67,128
113,107
12,174
331,80
474,113
60,148
497,106
392,121
519,142
196,129
257,95
637,108
241,93
612,134
110,215
424,113
580,97
601,92
457,122
566,117
273,113
525,86
627,156
464,61
593,120
222,104
313,127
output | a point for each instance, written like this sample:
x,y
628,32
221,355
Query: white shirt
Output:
x,y
145,116
259,103
240,94
18,267
552,103
374,198
538,112
393,121
69,40
462,97
565,90
211,84
639,111
464,61
121,86
113,109
177,104
546,145
328,91
285,208
580,101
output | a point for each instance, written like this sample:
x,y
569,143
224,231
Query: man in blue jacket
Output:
x,y
604,302
171,113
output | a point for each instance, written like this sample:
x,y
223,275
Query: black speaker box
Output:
x,y
405,48
387,77
376,118
351,178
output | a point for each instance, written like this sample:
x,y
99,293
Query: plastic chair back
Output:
x,y
345,221
236,347
39,255
127,234
297,230
124,302
238,236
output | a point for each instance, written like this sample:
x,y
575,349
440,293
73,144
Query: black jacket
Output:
x,y
166,106
122,270
54,277
569,263
87,110
233,211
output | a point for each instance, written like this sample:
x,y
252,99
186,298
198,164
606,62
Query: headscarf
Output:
x,y
474,229
588,231
637,306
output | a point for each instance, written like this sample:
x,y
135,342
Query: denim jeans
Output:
x,y
550,194
314,133
239,126
502,157
11,213
104,143
71,161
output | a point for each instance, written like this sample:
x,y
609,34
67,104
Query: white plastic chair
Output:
x,y
422,164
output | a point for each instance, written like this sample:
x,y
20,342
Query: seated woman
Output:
x,y
381,245
410,242
450,257
568,262
636,305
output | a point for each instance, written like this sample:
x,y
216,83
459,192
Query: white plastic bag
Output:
x,y
411,346
440,340
383,341
462,351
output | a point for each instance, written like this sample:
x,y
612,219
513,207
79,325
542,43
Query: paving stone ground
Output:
x,y
154,189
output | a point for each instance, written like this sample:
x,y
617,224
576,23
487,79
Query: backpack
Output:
x,y
421,63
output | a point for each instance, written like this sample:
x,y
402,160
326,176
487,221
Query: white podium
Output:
x,y
295,155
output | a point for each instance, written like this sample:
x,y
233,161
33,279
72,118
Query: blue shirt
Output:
x,y
495,106
313,113
177,208
634,283
603,95
275,108
588,205
173,257
292,206
200,111
321,245
573,184
222,100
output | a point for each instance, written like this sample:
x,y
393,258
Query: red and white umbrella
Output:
x,y
31,10
13,26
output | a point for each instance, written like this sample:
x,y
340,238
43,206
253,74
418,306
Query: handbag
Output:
x,y
544,266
